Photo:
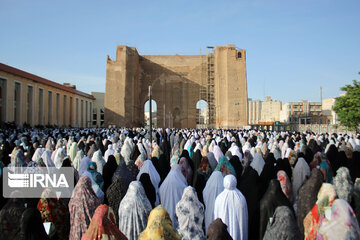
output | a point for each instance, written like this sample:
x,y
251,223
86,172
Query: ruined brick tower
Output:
x,y
178,82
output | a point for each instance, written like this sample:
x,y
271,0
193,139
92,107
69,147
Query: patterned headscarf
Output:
x,y
326,171
18,164
343,184
82,206
140,160
204,167
10,215
116,192
55,211
103,225
285,183
37,154
186,169
159,226
326,197
174,160
204,151
134,210
225,167
99,160
92,168
175,150
59,157
190,213
156,152
343,223
283,225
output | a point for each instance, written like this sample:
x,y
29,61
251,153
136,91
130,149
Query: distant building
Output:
x,y
264,111
153,116
199,118
254,111
304,112
98,110
202,116
205,115
27,98
327,109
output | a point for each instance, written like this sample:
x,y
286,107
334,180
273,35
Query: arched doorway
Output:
x,y
202,114
147,113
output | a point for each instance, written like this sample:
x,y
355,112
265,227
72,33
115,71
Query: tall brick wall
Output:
x,y
176,81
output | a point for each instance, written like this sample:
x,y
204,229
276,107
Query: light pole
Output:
x,y
169,119
150,115
164,116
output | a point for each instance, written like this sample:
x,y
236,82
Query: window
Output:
x,y
29,105
101,117
239,54
41,107
94,117
49,108
17,95
57,109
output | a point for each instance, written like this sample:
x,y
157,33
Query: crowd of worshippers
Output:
x,y
186,184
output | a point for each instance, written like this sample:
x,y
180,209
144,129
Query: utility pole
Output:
x,y
150,116
164,116
169,120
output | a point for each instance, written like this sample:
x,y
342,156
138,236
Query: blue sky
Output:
x,y
292,47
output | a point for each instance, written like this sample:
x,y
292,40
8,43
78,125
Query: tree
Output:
x,y
347,107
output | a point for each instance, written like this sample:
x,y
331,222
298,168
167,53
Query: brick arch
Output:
x,y
177,82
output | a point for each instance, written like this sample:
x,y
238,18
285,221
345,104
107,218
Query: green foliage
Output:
x,y
347,107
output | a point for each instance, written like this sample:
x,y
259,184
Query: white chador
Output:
x,y
214,186
171,191
258,163
148,167
231,207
